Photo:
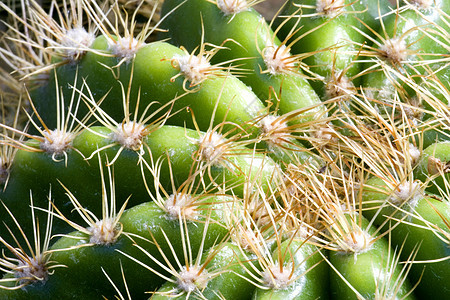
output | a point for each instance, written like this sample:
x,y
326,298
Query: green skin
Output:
x,y
39,291
84,263
443,77
152,78
310,286
232,284
243,167
44,99
434,282
293,152
178,145
337,32
423,48
376,194
36,171
366,10
433,135
39,173
126,168
364,270
244,28
370,11
383,88
439,151
440,90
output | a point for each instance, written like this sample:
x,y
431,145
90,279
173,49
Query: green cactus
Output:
x,y
194,150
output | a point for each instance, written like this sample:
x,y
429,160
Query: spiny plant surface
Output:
x,y
194,150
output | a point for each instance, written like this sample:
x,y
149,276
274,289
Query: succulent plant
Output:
x,y
194,150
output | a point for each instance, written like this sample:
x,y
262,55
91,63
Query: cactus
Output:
x,y
194,150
